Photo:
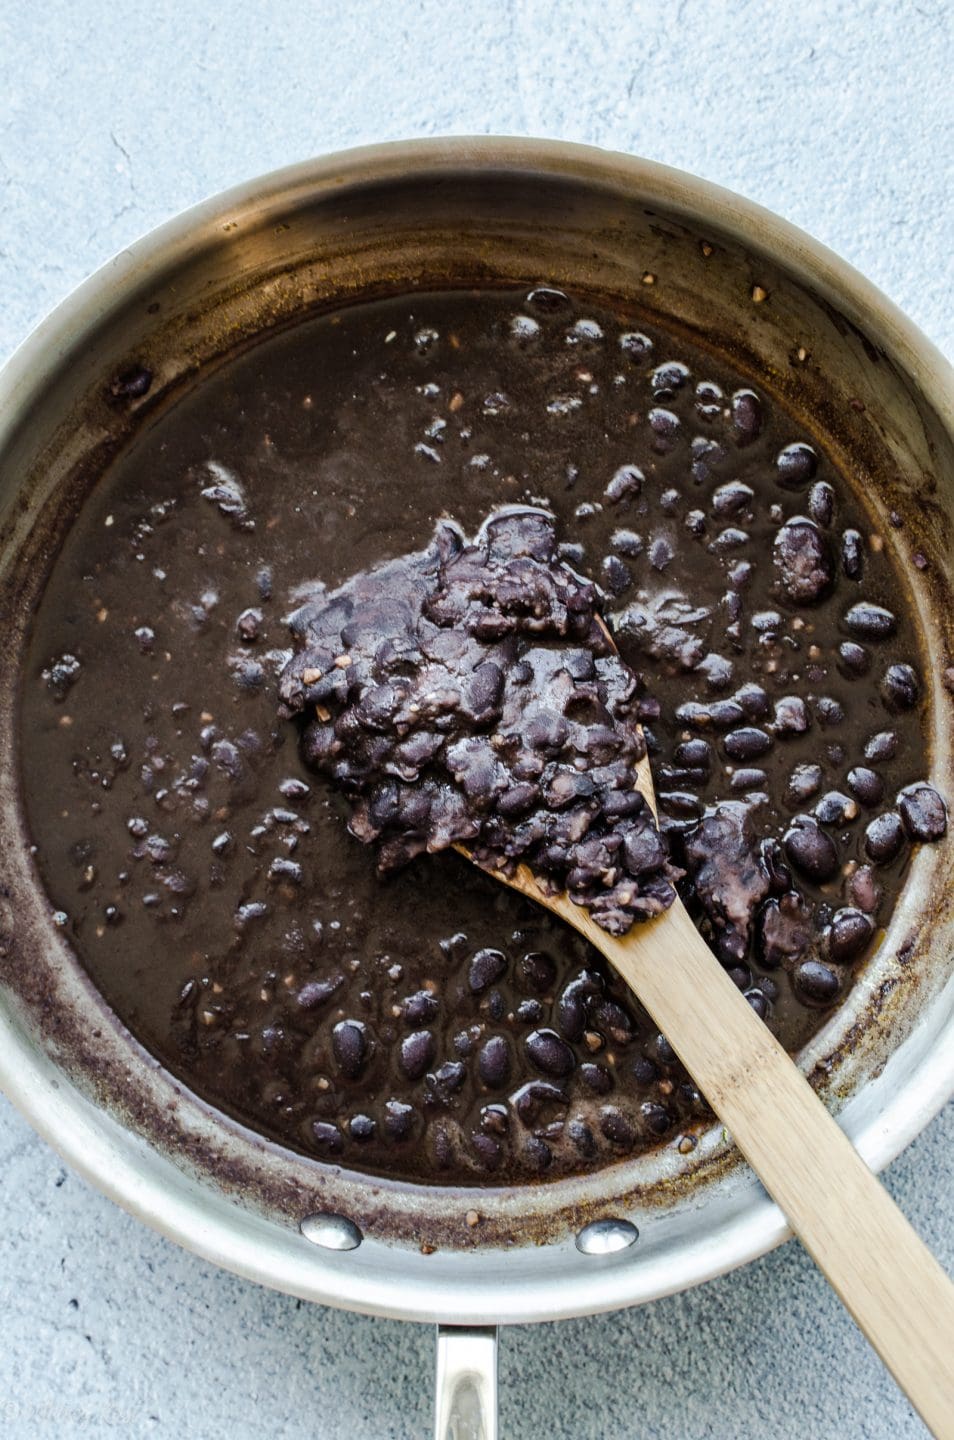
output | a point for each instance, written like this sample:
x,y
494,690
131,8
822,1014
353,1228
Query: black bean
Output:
x,y
884,837
644,1071
732,498
880,747
834,808
746,416
489,1151
900,688
866,784
848,934
854,659
417,1053
596,1078
863,890
696,754
821,503
816,982
773,858
810,849
535,1099
248,625
349,1042
485,967
828,712
617,577
802,561
537,1153
669,377
725,714
529,1012
796,465
626,484
613,1021
662,1050
582,1137
398,1120
548,299
656,1118
318,992
791,716
783,930
661,552
627,542
420,1008
852,554
636,346
681,803
536,971
759,1003
617,1128
327,1137
446,1080
494,1119
549,1053
804,782
666,428
361,1128
753,700
709,398
748,779
871,622
748,743
923,812
493,1062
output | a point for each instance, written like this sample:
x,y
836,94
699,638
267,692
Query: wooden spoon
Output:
x,y
885,1275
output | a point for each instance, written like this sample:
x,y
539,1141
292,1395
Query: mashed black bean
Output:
x,y
469,695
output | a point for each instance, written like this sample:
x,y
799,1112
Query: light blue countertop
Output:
x,y
113,117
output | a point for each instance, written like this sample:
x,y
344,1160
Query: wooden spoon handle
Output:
x,y
887,1278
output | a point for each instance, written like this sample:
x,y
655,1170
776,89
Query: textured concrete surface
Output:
x,y
112,117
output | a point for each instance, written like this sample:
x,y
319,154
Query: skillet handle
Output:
x,y
466,1401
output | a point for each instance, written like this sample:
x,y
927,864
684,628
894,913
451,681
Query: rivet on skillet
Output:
x,y
332,1232
605,1237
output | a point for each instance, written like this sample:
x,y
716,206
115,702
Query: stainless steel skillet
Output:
x,y
430,214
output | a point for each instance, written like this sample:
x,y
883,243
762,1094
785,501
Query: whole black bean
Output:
x,y
696,754
867,785
871,622
848,934
617,577
708,401
529,1012
617,1128
636,346
852,554
399,1120
662,1051
923,812
417,1052
900,688
880,747
612,1020
486,966
732,498
804,782
644,1071
446,1080
791,716
596,1078
420,1008
361,1128
551,301
754,701
759,1003
349,1043
828,712
536,971
748,743
493,1062
582,1137
318,992
628,543
537,1153
549,1053
656,1118
746,416
816,982
626,484
327,1137
666,428
884,837
669,377
853,659
681,803
796,465
821,503
489,1151
724,714
748,779
810,849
